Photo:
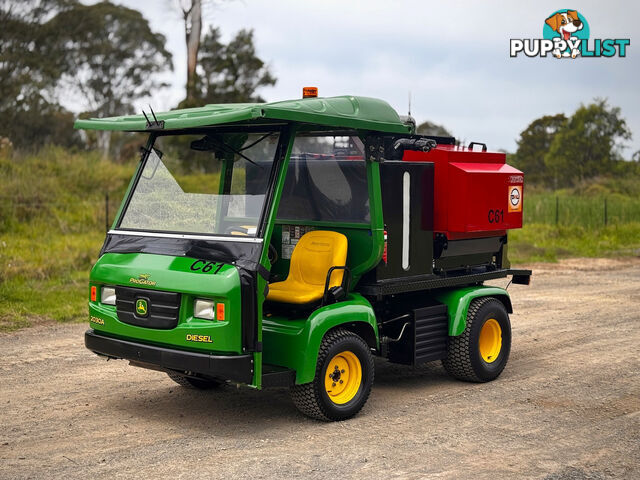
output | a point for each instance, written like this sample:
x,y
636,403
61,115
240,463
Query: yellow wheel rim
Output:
x,y
490,342
343,377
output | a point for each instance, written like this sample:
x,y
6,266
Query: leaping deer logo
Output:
x,y
141,306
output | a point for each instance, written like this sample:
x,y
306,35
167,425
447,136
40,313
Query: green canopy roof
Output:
x,y
342,112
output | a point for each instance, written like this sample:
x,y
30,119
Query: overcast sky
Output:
x,y
452,56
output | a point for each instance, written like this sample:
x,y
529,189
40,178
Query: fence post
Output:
x,y
605,211
106,212
557,207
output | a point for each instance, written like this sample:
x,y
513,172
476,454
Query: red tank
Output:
x,y
476,194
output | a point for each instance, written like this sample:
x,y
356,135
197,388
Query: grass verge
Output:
x,y
547,243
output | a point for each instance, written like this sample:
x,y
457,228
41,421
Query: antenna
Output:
x,y
154,115
156,124
409,102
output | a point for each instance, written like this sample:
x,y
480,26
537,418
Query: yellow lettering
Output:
x,y
198,338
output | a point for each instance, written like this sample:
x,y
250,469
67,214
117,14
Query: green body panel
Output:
x,y
264,259
172,274
341,112
295,343
458,300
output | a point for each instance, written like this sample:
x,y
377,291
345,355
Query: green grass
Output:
x,y
44,275
51,230
547,243
571,223
52,223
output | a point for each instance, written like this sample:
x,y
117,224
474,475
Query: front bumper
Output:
x,y
237,368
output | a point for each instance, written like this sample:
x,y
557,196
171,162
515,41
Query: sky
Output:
x,y
451,57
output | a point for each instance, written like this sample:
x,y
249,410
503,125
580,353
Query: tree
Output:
x,y
29,72
112,58
192,14
217,72
534,144
231,73
430,128
588,145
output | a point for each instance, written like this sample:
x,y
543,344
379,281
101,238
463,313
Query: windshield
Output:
x,y
215,187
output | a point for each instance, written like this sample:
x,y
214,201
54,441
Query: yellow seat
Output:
x,y
314,254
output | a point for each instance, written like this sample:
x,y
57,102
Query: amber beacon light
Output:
x,y
309,92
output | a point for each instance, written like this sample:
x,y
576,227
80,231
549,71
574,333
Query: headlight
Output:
x,y
204,309
108,295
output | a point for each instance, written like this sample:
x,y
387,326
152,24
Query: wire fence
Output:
x,y
589,212
99,213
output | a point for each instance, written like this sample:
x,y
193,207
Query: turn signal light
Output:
x,y
94,294
220,311
309,92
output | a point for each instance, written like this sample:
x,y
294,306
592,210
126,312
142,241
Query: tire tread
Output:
x,y
307,396
458,360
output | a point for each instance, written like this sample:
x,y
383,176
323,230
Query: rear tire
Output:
x,y
481,352
343,381
193,383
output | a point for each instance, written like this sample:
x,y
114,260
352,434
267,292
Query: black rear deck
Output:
x,y
430,282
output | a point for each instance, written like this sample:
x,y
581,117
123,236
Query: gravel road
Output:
x,y
566,407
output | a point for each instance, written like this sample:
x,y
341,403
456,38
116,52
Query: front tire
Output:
x,y
343,381
481,352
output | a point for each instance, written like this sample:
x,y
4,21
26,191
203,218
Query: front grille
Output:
x,y
163,308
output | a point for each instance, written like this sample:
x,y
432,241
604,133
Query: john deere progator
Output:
x,y
328,233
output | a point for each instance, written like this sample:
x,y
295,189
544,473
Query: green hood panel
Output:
x,y
188,276
166,273
341,112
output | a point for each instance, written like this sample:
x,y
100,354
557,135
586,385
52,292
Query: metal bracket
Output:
x,y
374,149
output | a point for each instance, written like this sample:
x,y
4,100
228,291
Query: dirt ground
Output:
x,y
566,407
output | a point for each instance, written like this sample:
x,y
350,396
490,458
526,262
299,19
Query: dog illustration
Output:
x,y
565,24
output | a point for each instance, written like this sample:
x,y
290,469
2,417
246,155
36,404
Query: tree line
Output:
x,y
103,58
556,151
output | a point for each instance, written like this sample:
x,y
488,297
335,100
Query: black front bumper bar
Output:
x,y
237,368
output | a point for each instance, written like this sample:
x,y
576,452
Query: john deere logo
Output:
x,y
141,307
143,279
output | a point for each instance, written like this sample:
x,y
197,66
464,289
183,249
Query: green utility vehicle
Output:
x,y
321,233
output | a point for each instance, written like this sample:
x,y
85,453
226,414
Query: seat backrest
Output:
x,y
315,253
